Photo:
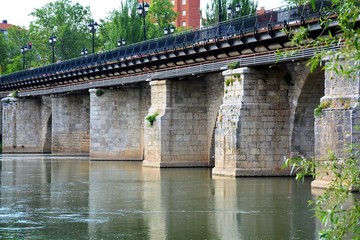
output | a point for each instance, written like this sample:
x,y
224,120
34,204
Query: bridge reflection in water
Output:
x,y
47,197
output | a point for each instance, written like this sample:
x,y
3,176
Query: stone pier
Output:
x,y
26,125
182,133
338,121
71,124
252,131
116,119
267,115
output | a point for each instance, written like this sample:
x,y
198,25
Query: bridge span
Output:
x,y
217,97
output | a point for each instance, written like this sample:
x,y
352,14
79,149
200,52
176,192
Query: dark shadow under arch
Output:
x,y
303,135
48,136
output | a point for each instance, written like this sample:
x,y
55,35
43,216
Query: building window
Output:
x,y
183,2
184,13
184,24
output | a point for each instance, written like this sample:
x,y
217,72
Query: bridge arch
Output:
x,y
308,88
47,134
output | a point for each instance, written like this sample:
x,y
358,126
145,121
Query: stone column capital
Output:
x,y
242,70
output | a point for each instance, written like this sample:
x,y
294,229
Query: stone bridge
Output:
x,y
218,97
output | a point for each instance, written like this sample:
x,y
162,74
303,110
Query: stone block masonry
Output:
x,y
252,132
116,118
305,92
180,134
25,125
337,126
71,124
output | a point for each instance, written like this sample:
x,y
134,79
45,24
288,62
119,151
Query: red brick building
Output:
x,y
4,26
188,12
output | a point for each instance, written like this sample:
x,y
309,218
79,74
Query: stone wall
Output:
x,y
25,125
1,110
71,124
181,135
116,119
337,126
306,89
215,94
253,127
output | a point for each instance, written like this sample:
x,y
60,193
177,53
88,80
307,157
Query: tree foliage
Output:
x,y
122,23
15,39
160,15
68,22
3,53
212,10
337,208
347,35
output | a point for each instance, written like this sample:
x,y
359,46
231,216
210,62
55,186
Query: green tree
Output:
x,y
15,39
68,22
160,15
212,10
337,208
3,53
122,23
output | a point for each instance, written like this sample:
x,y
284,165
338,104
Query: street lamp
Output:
x,y
220,10
84,51
169,30
121,42
23,50
52,41
142,9
233,13
92,28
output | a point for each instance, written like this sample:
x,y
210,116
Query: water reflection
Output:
x,y
268,208
41,196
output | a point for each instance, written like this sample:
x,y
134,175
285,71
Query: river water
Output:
x,y
47,197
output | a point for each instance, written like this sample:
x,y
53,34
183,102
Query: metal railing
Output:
x,y
249,25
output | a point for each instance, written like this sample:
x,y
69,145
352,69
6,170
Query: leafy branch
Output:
x,y
337,208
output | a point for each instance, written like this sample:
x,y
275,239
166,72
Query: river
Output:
x,y
58,197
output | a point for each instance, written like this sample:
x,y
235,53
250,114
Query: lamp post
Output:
x,y
84,52
23,50
142,9
220,10
169,30
52,41
233,13
121,42
92,28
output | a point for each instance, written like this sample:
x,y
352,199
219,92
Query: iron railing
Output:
x,y
249,25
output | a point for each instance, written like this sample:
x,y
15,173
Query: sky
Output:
x,y
17,11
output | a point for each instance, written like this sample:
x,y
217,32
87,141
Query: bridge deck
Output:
x,y
251,40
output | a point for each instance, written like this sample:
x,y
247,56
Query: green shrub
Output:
x,y
229,81
99,92
323,105
233,65
151,118
14,94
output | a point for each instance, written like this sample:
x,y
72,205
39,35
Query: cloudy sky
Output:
x,y
16,11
